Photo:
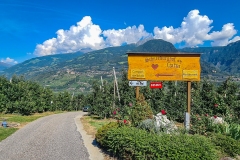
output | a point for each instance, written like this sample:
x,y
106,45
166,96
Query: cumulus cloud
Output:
x,y
84,35
9,61
88,35
222,37
129,35
194,30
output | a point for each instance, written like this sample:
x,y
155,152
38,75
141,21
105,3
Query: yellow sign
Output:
x,y
158,66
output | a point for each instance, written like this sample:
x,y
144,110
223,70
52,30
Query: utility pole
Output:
x,y
101,87
115,81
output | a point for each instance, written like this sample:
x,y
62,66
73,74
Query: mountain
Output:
x,y
206,52
74,72
225,58
156,45
4,66
228,58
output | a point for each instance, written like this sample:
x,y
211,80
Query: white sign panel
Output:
x,y
137,83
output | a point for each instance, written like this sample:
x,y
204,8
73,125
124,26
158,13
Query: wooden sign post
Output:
x,y
178,66
137,92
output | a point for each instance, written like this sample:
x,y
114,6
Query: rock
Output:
x,y
217,120
163,122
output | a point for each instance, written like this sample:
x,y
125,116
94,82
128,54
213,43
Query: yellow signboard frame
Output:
x,y
164,66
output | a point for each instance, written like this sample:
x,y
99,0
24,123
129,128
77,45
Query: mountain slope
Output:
x,y
37,65
226,58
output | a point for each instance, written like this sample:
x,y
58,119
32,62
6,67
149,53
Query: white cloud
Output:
x,y
222,37
9,61
129,35
88,35
236,38
84,35
194,30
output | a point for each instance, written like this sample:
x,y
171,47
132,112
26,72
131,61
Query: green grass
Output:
x,y
5,132
96,121
98,124
16,118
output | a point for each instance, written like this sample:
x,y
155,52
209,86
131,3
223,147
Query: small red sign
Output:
x,y
154,85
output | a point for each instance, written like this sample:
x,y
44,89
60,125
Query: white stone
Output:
x,y
163,122
217,120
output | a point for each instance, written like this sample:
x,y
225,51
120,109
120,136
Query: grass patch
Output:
x,y
98,124
92,123
5,132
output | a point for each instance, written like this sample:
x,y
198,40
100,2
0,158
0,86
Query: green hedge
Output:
x,y
132,143
101,133
226,144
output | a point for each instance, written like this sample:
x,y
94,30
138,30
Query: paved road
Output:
x,y
53,137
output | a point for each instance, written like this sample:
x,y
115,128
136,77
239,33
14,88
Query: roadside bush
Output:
x,y
140,111
132,143
200,124
226,144
103,131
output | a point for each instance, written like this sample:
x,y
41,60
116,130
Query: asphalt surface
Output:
x,y
53,137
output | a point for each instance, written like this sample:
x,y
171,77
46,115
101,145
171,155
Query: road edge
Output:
x,y
94,151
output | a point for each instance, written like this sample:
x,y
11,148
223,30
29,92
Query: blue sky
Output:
x,y
31,28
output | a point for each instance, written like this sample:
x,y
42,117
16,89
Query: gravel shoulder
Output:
x,y
55,137
93,150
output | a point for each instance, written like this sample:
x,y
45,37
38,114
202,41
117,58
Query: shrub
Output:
x,y
234,131
201,124
132,143
149,125
103,130
140,111
226,144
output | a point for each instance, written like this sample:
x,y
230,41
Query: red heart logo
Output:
x,y
154,66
